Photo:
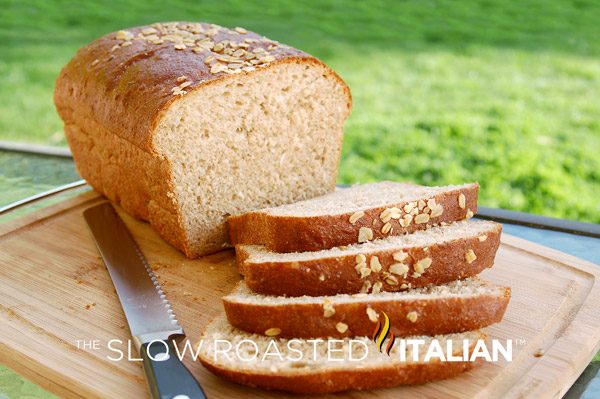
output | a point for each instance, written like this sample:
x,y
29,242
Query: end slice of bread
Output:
x,y
305,366
357,214
455,307
434,256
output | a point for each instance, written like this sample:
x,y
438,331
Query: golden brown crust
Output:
x,y
330,381
434,316
300,234
114,92
143,194
336,380
338,275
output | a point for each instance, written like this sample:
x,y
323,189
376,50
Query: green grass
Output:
x,y
502,92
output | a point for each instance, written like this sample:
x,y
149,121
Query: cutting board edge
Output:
x,y
589,310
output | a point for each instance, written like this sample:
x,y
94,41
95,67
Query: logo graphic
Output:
x,y
382,330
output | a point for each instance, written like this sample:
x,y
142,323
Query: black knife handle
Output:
x,y
167,377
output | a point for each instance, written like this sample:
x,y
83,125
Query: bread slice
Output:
x,y
454,307
304,366
434,256
351,215
184,124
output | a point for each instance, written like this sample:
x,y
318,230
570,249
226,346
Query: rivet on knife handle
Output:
x,y
167,377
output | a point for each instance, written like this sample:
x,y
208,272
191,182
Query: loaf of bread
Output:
x,y
185,124
353,215
305,366
455,307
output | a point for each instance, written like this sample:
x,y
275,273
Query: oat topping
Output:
x,y
482,238
470,256
469,214
421,205
391,280
375,264
421,218
271,332
409,207
365,287
461,201
373,315
438,211
386,215
421,265
341,327
399,269
356,216
400,256
321,277
365,272
365,234
328,309
412,316
406,220
377,287
176,91
229,55
183,83
218,67
359,267
124,35
395,213
386,228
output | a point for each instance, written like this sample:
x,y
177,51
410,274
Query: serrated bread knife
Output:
x,y
151,320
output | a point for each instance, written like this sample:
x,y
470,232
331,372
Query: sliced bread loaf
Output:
x,y
305,366
434,256
353,215
184,124
455,307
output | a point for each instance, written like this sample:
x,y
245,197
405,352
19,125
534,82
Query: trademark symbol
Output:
x,y
521,342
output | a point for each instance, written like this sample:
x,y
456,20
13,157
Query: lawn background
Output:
x,y
501,92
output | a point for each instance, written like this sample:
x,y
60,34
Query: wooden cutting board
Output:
x,y
55,290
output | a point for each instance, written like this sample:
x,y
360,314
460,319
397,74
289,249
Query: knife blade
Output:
x,y
150,317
